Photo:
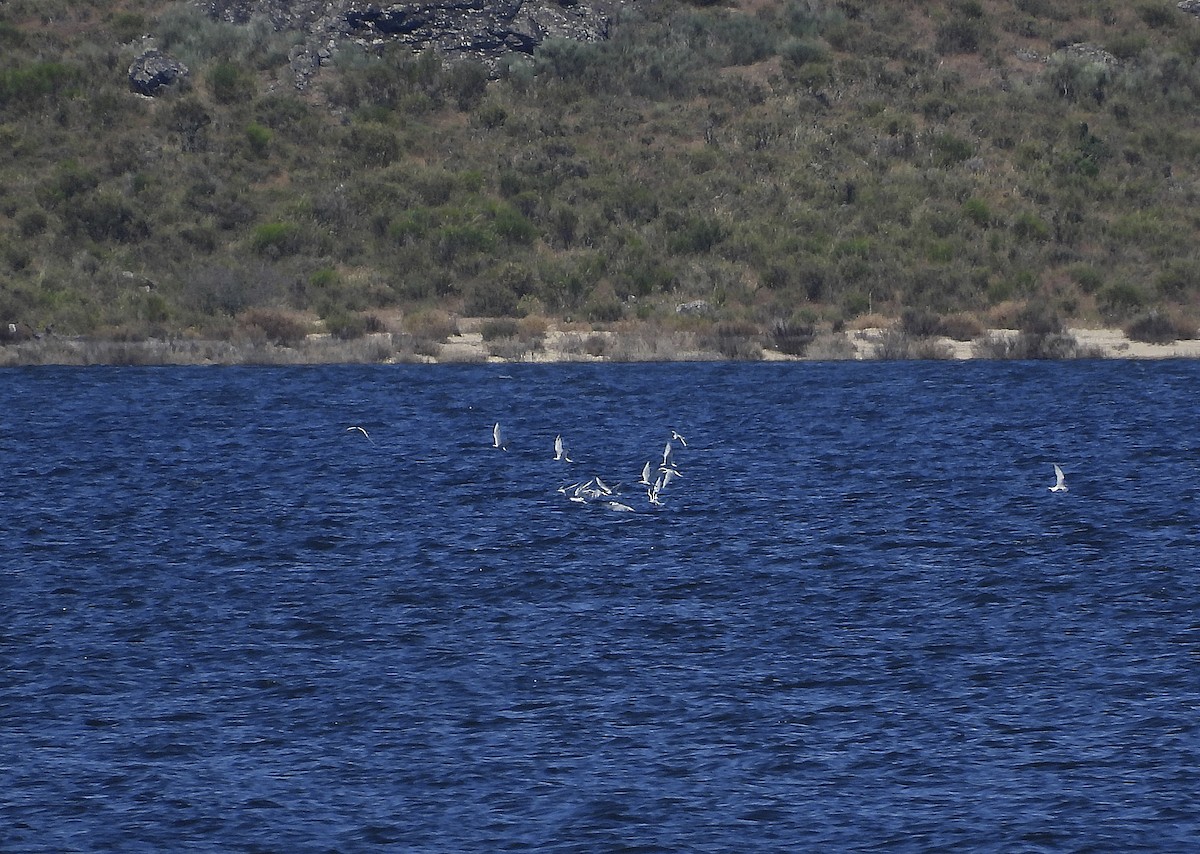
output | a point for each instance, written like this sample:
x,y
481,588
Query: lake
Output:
x,y
858,620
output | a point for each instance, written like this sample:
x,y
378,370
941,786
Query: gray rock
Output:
x,y
698,306
154,71
486,30
1084,52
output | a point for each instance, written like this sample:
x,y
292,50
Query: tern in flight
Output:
x,y
667,455
652,493
364,432
1060,480
678,438
645,481
560,451
498,438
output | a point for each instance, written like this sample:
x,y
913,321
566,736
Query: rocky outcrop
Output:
x,y
486,30
154,71
1084,52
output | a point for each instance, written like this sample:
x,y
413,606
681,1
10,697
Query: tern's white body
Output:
x,y
1060,480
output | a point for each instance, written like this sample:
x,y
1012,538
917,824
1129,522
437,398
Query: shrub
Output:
x,y
1156,328
70,179
32,223
1088,278
1158,15
347,326
1039,318
961,327
977,211
28,85
604,307
1030,226
898,345
490,298
512,226
127,26
499,328
229,84
1121,298
281,328
697,235
949,149
467,84
258,137
803,51
734,339
430,325
372,144
106,216
275,238
964,34
792,338
1031,346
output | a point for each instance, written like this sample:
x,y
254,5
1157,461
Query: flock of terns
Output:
x,y
596,490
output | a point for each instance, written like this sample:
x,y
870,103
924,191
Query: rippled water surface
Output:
x,y
859,621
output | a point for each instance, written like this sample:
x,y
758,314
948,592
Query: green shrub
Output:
x,y
32,223
275,238
372,144
804,51
347,326
978,212
1179,280
1030,226
1088,278
604,308
497,328
1121,298
25,86
229,83
70,179
949,150
104,216
258,137
512,226
454,242
127,26
1158,15
466,83
491,299
962,34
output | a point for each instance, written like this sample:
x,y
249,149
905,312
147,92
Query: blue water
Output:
x,y
859,621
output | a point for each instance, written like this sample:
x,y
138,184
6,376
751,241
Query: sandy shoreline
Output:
x,y
554,346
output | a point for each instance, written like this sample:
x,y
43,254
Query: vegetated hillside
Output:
x,y
796,165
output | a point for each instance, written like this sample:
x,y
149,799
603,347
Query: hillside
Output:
x,y
741,175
